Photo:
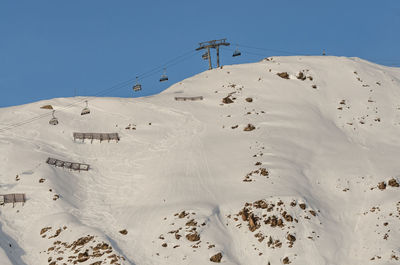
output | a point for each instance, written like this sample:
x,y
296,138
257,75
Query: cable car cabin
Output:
x,y
163,78
86,110
54,120
236,53
137,87
204,56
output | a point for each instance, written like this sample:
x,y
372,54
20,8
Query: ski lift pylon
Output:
x,y
164,76
137,86
86,110
54,120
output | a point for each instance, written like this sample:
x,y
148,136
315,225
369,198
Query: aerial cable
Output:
x,y
161,67
103,92
268,49
245,51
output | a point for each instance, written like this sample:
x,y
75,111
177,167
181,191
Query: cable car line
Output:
x,y
103,92
268,49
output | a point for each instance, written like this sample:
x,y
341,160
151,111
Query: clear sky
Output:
x,y
54,48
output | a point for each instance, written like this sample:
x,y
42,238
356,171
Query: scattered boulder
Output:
x,y
124,232
264,171
216,258
283,75
244,214
58,232
191,223
302,206
393,183
82,257
249,127
45,229
249,100
382,185
301,76
46,107
193,237
286,260
227,100
291,238
182,214
252,223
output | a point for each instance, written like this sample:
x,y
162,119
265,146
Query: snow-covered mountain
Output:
x,y
291,160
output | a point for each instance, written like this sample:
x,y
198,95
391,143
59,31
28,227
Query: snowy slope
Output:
x,y
189,182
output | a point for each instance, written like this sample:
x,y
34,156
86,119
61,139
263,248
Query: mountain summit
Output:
x,y
290,160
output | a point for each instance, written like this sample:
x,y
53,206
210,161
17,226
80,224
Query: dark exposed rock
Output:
x,y
252,223
260,204
182,214
249,127
46,107
82,257
283,75
216,258
44,230
301,76
191,223
286,260
393,183
124,232
382,185
227,100
193,237
291,238
264,172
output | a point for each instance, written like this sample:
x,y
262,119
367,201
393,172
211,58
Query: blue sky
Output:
x,y
59,48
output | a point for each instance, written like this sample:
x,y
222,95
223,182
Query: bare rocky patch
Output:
x,y
277,224
186,232
84,249
262,171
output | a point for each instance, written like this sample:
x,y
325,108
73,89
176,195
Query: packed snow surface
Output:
x,y
291,160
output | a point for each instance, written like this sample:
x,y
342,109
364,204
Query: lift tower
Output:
x,y
212,44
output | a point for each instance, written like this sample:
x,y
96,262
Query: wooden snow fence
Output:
x,y
188,98
12,198
69,165
96,136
